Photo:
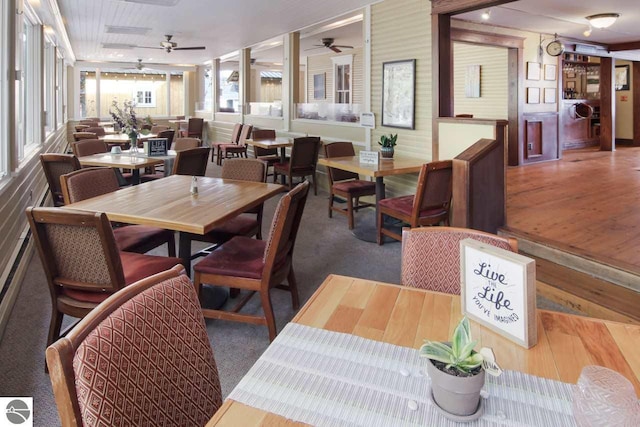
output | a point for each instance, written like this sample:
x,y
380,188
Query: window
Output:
x,y
60,91
144,98
4,88
342,78
208,88
49,86
28,103
229,91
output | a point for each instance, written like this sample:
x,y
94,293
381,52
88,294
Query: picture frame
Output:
x,y
533,71
622,77
571,75
499,291
550,95
472,82
550,71
533,95
571,84
319,90
398,93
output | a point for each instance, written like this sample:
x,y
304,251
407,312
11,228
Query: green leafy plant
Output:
x,y
458,354
388,141
148,121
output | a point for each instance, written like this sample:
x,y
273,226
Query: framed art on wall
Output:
x,y
472,82
550,72
549,95
533,71
398,93
622,77
318,86
533,95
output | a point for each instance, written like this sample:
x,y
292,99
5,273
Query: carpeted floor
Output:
x,y
324,246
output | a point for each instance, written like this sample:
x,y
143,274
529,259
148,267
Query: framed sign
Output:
x,y
472,82
533,71
398,92
499,290
533,95
369,157
156,147
549,95
622,77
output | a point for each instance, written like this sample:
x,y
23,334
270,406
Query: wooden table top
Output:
x,y
385,167
123,160
406,316
121,138
270,143
167,203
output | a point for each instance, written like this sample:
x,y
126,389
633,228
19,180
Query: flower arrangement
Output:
x,y
125,117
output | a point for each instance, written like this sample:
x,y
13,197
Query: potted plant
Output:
x,y
456,372
387,143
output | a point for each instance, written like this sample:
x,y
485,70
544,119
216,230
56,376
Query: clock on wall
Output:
x,y
555,48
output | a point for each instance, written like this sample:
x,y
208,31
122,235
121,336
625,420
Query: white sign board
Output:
x,y
498,290
367,120
369,157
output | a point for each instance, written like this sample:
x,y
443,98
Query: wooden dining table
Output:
x,y
281,143
123,160
407,316
123,139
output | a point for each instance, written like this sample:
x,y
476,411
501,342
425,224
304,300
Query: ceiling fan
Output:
x,y
328,43
170,46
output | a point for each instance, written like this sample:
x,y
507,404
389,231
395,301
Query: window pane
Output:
x,y
229,96
88,94
148,90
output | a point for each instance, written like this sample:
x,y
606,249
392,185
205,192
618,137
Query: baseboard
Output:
x,y
13,277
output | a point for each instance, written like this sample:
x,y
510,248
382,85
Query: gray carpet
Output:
x,y
324,246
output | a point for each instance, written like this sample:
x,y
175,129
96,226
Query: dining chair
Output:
x,y
90,123
92,182
98,130
55,165
194,128
80,136
431,255
429,206
186,143
87,147
156,129
142,357
346,185
268,155
257,265
82,263
304,157
192,161
169,134
239,149
235,135
80,128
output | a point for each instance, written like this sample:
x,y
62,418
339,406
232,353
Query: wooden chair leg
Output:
x,y
259,219
197,284
55,325
265,297
379,228
330,204
213,152
350,212
293,288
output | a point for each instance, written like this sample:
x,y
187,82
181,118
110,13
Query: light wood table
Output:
x,y
281,143
124,160
406,316
122,139
167,203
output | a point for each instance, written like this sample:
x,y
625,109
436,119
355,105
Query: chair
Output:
x,y
429,206
191,162
257,265
194,128
90,123
235,135
169,134
156,129
268,155
79,136
55,165
155,363
91,182
98,130
239,149
80,128
431,255
186,143
346,185
82,263
304,157
88,147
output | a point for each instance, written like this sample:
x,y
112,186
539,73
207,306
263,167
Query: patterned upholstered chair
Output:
x,y
429,206
142,357
239,149
87,147
191,162
194,128
186,143
81,136
82,263
55,165
431,255
257,265
80,128
235,135
269,155
303,161
98,130
91,182
345,184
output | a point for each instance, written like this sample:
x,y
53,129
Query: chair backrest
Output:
x,y
304,154
195,125
156,129
90,123
77,250
186,143
244,170
55,165
98,130
284,228
79,136
87,183
88,147
155,357
340,149
245,134
264,134
235,134
431,255
169,134
191,162
80,128
180,117
434,187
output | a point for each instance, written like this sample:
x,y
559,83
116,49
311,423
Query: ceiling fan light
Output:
x,y
602,20
587,32
486,15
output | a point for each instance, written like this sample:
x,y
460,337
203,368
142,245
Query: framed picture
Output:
x,y
398,93
549,95
550,72
622,77
472,82
318,86
571,84
533,95
533,71
499,290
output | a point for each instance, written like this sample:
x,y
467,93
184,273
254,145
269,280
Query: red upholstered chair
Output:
x,y
194,128
169,134
91,182
431,255
304,157
346,185
82,263
55,165
142,357
186,143
235,136
268,155
98,130
80,136
80,128
192,161
87,147
257,265
156,129
429,206
239,149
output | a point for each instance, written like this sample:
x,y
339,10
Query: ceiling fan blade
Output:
x,y
190,48
315,48
335,49
149,47
343,46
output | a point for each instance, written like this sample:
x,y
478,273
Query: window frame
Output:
x,y
339,63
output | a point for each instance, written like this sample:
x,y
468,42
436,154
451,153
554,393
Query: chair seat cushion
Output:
x,y
404,204
151,176
219,143
135,267
131,237
239,257
241,225
232,147
355,187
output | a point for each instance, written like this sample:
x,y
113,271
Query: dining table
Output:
x,y
123,139
352,332
282,143
124,160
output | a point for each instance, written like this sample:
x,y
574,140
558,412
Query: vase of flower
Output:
x,y
386,145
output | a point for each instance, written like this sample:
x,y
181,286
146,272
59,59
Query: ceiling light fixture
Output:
x,y
486,15
587,32
602,20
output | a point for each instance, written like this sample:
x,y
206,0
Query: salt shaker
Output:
x,y
194,186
